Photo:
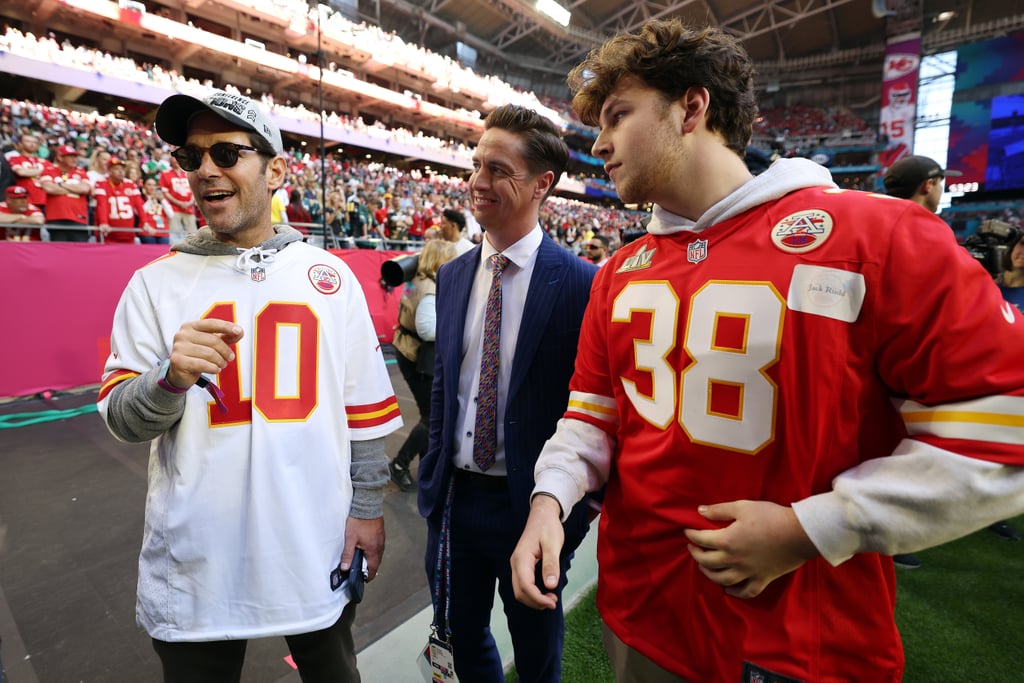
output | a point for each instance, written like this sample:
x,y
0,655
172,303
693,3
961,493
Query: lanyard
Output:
x,y
442,572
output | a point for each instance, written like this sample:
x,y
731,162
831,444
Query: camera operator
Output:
x,y
920,179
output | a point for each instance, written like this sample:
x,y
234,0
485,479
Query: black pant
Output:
x,y
484,532
326,656
420,385
75,234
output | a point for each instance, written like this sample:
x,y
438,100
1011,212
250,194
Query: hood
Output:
x,y
781,178
203,243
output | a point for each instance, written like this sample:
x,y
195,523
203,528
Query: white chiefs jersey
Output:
x,y
246,511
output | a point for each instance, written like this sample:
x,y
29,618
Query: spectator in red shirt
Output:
x,y
67,195
156,214
28,167
297,214
177,191
18,210
118,204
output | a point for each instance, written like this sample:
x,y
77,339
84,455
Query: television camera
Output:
x,y
399,270
990,243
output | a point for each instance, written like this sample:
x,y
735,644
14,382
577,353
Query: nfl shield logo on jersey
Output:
x,y
258,274
697,251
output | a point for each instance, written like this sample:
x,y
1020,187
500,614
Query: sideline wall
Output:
x,y
57,302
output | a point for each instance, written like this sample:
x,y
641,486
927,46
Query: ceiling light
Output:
x,y
552,9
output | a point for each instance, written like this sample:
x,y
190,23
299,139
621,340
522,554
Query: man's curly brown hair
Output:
x,y
671,57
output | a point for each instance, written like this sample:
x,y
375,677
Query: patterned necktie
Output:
x,y
485,435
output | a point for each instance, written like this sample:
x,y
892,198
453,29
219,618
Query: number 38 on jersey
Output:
x,y
732,334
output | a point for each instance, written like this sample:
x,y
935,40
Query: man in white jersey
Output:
x,y
263,485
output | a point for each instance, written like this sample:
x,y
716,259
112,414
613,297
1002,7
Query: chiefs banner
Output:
x,y
899,96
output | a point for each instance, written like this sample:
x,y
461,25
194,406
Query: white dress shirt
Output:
x,y
515,283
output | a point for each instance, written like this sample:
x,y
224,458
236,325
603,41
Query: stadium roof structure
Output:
x,y
783,36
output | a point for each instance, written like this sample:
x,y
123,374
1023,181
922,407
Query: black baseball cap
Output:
x,y
908,173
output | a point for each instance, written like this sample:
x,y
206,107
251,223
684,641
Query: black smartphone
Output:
x,y
354,578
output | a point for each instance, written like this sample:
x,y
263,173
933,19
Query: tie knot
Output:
x,y
498,262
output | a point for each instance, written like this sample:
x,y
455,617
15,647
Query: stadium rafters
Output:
x,y
516,41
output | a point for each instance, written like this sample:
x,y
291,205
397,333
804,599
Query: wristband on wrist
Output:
x,y
162,379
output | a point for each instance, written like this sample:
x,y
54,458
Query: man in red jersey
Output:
x,y
67,190
118,204
28,167
775,402
183,204
18,210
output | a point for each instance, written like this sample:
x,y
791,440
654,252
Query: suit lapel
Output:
x,y
540,300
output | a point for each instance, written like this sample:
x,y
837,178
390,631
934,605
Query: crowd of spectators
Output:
x,y
802,127
46,48
363,199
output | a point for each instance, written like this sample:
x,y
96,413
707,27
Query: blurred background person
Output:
x,y
919,179
28,166
156,214
18,210
452,224
177,191
297,214
1011,280
97,168
414,341
118,205
597,250
67,190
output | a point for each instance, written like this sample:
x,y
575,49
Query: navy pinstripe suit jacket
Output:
x,y
539,387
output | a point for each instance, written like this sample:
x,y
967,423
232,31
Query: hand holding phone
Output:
x,y
354,578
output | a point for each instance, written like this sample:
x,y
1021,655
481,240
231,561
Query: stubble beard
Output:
x,y
245,216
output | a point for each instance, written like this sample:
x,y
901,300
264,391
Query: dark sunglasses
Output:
x,y
223,154
595,246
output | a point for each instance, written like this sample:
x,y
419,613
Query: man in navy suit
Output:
x,y
544,291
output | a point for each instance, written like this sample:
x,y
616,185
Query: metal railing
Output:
x,y
314,236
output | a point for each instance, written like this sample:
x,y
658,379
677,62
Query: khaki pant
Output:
x,y
630,666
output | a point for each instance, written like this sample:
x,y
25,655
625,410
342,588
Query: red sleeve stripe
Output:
x,y
113,380
373,414
603,425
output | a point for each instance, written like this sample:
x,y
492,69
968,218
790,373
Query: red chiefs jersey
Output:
x,y
154,217
29,234
758,359
175,184
36,194
119,206
61,207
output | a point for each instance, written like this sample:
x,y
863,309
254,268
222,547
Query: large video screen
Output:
x,y
986,133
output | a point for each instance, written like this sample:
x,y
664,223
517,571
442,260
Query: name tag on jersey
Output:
x,y
830,292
